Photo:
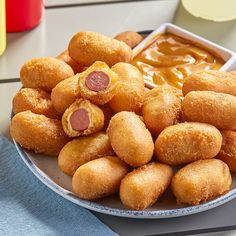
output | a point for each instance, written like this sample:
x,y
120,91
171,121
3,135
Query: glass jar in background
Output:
x,y
2,26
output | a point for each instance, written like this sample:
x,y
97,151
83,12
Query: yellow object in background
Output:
x,y
2,26
216,10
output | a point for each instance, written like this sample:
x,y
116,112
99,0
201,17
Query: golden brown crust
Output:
x,y
218,109
35,100
44,73
99,178
38,133
130,139
142,187
228,149
103,96
88,47
211,80
108,113
77,68
129,93
187,142
65,93
162,108
131,38
82,150
201,181
96,118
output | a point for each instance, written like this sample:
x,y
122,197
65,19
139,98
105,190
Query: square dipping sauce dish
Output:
x,y
229,57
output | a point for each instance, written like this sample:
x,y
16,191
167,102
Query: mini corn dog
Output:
x,y
162,108
88,47
129,93
210,80
131,38
65,93
228,149
99,178
35,100
187,142
130,139
217,109
97,83
82,150
44,73
77,68
201,181
142,187
82,118
38,133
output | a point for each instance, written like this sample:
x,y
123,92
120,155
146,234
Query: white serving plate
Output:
x,y
46,168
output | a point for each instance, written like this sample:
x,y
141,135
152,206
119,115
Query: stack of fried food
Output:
x,y
90,108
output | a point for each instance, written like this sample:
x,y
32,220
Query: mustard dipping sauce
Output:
x,y
168,59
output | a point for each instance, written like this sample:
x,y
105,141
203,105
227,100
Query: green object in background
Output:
x,y
216,10
2,26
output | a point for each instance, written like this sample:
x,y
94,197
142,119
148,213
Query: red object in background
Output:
x,y
23,15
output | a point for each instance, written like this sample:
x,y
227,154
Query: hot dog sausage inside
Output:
x,y
97,81
79,119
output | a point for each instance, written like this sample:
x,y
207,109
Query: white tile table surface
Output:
x,y
52,36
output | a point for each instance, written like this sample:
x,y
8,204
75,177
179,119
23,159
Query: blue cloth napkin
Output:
x,y
27,207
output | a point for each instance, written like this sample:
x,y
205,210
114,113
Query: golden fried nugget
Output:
x,y
131,38
65,93
130,91
130,139
98,83
35,100
142,187
44,73
210,80
162,108
187,142
99,178
38,133
82,118
228,149
77,68
82,150
201,181
88,47
218,109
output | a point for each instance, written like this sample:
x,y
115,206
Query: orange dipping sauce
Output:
x,y
168,59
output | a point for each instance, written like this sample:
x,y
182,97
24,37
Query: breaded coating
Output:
x,y
65,93
161,108
108,113
210,80
82,150
98,83
38,133
218,109
88,47
35,100
142,187
228,149
187,142
201,181
130,91
99,178
77,68
82,118
44,73
130,139
131,38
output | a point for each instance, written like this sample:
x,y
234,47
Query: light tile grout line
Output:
x,y
95,3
